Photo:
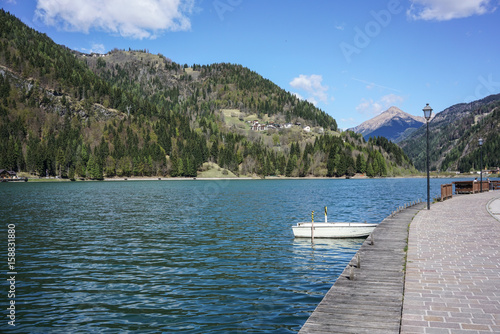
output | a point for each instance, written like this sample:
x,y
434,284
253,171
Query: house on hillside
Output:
x,y
307,128
256,126
7,174
492,170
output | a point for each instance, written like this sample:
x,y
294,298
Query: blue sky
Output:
x,y
353,59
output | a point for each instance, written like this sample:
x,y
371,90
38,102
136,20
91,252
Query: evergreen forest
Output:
x,y
454,138
133,113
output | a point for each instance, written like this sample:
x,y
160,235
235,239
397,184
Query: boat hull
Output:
x,y
333,230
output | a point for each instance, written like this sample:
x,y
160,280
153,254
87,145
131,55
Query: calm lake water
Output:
x,y
181,256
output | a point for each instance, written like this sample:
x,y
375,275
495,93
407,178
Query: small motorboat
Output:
x,y
332,230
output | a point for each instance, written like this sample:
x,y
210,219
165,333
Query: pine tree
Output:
x,y
291,165
91,167
180,167
109,168
60,163
340,165
375,166
361,163
369,170
381,164
174,164
94,168
330,165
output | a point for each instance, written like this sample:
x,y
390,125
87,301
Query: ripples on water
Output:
x,y
182,256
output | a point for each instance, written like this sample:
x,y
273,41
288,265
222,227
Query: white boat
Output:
x,y
333,230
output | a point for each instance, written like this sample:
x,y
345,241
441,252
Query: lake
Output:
x,y
185,256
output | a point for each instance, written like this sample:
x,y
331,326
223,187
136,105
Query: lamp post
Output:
x,y
481,173
427,114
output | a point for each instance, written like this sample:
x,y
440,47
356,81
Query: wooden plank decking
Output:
x,y
371,302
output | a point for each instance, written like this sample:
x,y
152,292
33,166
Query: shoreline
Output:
x,y
161,178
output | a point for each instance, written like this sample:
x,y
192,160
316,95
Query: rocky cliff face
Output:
x,y
394,124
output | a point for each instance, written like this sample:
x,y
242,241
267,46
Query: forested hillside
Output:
x,y
132,113
202,89
454,137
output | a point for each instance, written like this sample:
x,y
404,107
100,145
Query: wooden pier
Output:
x,y
368,295
470,187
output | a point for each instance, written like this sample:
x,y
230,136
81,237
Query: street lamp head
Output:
x,y
480,141
427,112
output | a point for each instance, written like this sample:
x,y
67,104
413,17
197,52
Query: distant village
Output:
x,y
256,126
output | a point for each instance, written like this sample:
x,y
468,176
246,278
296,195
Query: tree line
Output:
x,y
67,121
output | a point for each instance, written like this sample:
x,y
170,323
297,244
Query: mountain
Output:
x,y
204,87
454,134
133,113
393,124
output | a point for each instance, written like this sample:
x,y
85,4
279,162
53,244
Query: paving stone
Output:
x,y
454,258
452,280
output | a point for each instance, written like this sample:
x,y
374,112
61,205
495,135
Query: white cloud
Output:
x,y
371,107
312,100
391,99
300,97
95,48
444,10
128,18
98,48
312,84
309,99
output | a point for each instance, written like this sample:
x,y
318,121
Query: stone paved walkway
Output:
x,y
452,282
